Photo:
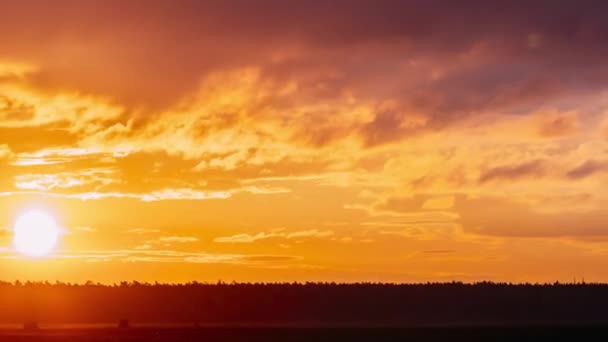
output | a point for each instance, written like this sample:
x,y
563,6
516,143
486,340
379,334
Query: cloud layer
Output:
x,y
374,126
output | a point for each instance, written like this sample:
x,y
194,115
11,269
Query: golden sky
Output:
x,y
313,140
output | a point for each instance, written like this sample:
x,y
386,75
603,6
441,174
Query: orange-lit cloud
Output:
x,y
389,148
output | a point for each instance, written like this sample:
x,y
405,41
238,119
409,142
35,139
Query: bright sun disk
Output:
x,y
35,233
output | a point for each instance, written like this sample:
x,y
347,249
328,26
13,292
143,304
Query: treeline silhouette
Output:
x,y
305,303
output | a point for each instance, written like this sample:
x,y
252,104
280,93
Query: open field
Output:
x,y
310,304
546,333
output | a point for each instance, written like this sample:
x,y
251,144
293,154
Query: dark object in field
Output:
x,y
30,325
124,324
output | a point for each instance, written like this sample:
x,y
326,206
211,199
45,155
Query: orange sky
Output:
x,y
346,140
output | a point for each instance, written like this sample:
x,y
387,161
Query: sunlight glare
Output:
x,y
35,233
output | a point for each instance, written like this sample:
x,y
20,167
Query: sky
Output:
x,y
398,141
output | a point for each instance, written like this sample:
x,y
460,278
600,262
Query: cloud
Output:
x,y
5,152
23,107
10,69
281,234
315,233
243,238
535,168
497,64
439,251
177,239
389,126
240,116
142,231
559,125
421,208
154,196
85,229
64,180
416,231
509,218
424,120
173,256
66,155
270,258
439,203
163,241
168,194
587,169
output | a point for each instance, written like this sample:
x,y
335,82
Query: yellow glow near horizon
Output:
x,y
35,233
237,145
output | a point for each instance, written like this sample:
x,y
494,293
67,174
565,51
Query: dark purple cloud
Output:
x,y
446,60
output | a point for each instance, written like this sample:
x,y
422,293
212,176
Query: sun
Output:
x,y
35,233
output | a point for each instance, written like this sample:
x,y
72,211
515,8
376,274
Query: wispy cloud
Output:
x,y
534,168
587,169
154,196
281,116
143,231
249,238
166,241
172,256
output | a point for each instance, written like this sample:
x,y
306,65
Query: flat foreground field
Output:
x,y
270,334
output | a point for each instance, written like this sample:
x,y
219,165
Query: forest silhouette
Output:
x,y
305,303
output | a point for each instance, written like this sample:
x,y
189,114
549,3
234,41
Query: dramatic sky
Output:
x,y
277,140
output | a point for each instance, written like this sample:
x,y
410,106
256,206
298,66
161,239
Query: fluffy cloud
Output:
x,y
487,122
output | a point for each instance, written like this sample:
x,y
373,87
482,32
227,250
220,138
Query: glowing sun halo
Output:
x,y
35,233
